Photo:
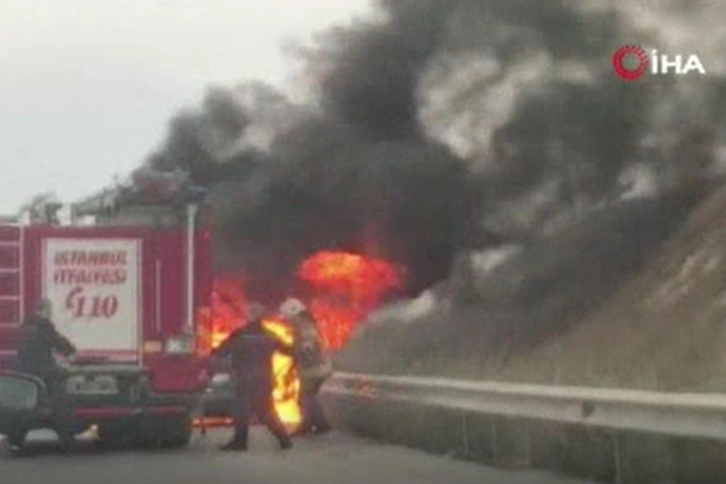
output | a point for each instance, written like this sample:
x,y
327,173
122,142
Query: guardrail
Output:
x,y
691,415
612,416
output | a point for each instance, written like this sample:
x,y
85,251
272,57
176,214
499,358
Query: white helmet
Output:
x,y
291,308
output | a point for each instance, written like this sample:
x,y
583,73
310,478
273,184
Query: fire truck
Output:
x,y
125,276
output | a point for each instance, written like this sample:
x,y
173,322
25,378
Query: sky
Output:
x,y
87,86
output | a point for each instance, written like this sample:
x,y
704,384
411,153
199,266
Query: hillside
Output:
x,y
666,329
635,296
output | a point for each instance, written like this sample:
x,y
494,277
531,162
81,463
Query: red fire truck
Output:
x,y
124,288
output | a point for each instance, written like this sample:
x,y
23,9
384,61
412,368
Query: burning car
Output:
x,y
342,289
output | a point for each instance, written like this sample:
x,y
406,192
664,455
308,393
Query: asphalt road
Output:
x,y
333,458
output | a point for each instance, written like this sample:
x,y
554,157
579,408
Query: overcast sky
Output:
x,y
87,86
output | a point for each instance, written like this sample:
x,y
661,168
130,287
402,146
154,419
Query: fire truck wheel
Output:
x,y
113,436
144,441
177,432
17,438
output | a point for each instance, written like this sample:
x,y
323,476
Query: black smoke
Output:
x,y
434,124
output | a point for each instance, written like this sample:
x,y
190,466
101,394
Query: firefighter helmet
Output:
x,y
291,308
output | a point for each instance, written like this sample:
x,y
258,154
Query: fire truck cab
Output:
x,y
125,278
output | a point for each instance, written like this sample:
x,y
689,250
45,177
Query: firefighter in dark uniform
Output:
x,y
314,365
39,340
251,348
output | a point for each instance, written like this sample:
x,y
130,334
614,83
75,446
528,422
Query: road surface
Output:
x,y
327,459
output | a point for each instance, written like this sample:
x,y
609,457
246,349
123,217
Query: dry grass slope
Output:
x,y
665,329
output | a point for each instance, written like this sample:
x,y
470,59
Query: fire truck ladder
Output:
x,y
11,281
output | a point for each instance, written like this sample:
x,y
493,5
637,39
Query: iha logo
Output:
x,y
630,62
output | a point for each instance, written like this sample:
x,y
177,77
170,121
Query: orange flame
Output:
x,y
225,314
286,393
347,288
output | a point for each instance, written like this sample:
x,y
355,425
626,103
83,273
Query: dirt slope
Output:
x,y
484,321
665,329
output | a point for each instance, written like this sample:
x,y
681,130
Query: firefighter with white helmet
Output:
x,y
314,365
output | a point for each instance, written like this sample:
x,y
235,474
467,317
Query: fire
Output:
x,y
227,313
347,287
287,383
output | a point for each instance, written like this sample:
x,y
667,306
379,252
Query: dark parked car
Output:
x,y
23,405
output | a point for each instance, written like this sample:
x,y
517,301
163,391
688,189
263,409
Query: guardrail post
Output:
x,y
616,458
465,435
529,448
494,443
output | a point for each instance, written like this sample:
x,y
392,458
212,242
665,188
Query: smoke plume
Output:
x,y
437,123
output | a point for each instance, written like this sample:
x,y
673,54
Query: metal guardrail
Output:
x,y
684,415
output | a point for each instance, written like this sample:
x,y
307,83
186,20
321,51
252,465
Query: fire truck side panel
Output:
x,y
35,275
179,373
166,258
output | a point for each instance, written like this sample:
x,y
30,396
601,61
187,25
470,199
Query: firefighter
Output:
x,y
313,363
39,340
251,348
